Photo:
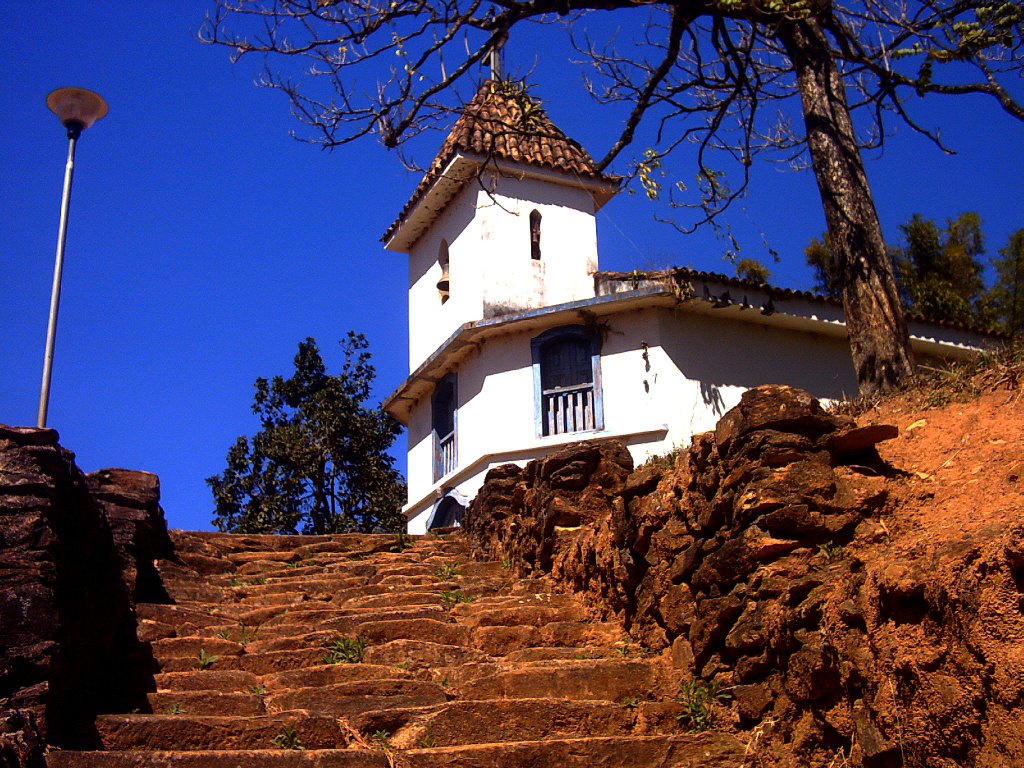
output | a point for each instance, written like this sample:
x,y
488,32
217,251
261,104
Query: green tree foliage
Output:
x,y
826,270
319,462
752,269
939,270
1007,295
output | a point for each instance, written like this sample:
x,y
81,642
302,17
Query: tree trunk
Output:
x,y
879,342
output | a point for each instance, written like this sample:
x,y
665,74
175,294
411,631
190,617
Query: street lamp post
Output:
x,y
77,110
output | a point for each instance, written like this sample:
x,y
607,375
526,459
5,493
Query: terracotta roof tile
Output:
x,y
502,122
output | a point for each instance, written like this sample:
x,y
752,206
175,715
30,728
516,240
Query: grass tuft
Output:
x,y
698,698
287,739
345,650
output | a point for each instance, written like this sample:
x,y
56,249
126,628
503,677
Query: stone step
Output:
x,y
191,732
336,617
257,663
237,681
305,634
504,600
343,699
432,630
500,641
481,722
684,751
569,653
200,563
304,584
255,758
198,592
331,674
191,647
206,703
605,680
417,654
470,615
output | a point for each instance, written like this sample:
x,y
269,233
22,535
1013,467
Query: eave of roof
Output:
x,y
676,274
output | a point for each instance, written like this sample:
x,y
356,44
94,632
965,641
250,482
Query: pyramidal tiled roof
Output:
x,y
502,122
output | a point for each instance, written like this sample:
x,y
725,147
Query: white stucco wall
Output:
x,y
704,364
490,269
512,279
430,321
696,368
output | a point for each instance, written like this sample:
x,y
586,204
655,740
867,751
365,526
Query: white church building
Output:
x,y
518,344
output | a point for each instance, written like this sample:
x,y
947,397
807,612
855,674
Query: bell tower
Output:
x,y
502,222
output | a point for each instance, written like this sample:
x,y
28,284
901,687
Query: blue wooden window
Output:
x,y
567,381
443,406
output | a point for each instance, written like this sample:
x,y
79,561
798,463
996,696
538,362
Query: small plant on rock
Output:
x,y
630,702
172,709
446,572
402,542
830,550
380,738
259,689
287,739
345,650
451,598
206,660
245,634
665,460
698,698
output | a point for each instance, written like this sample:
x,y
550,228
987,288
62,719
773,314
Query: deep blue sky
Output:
x,y
205,243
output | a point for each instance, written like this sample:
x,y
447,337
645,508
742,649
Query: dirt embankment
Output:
x,y
853,591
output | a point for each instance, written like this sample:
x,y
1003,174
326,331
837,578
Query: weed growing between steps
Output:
x,y
255,581
205,660
451,598
698,698
403,541
244,636
287,739
345,650
446,572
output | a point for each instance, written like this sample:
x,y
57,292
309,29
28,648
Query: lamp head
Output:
x,y
76,108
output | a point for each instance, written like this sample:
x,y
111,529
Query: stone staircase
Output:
x,y
370,651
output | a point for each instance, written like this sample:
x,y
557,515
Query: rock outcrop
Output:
x,y
75,552
744,555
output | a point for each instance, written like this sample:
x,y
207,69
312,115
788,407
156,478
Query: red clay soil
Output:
x,y
966,462
954,685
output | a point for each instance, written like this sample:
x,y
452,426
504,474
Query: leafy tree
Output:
x,y
706,73
827,280
752,269
939,271
319,463
1007,295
